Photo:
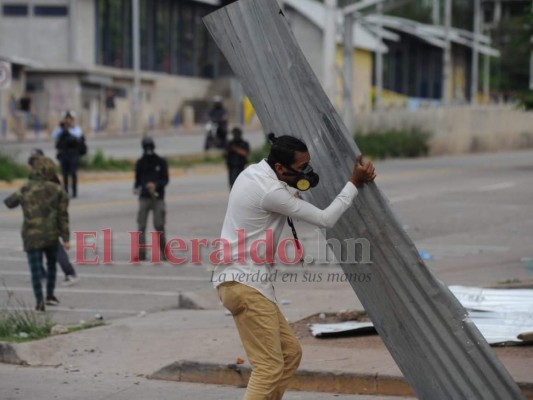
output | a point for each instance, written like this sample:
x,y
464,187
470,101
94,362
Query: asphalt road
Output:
x,y
167,143
472,214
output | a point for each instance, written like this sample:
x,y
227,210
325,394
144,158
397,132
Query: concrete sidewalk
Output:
x,y
203,346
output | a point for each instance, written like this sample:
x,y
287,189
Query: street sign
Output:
x,y
5,75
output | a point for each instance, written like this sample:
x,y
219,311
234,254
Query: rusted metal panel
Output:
x,y
427,331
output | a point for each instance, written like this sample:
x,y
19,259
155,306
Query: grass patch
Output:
x,y
394,143
100,162
21,324
187,161
10,169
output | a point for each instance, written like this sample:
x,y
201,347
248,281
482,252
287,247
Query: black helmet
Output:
x,y
148,143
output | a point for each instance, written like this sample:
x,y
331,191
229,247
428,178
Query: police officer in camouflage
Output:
x,y
45,208
151,177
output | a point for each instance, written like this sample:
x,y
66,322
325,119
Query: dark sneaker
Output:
x,y
52,301
40,307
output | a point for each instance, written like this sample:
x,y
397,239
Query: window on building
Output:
x,y
15,10
173,37
50,11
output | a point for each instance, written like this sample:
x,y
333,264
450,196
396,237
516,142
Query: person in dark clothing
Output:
x,y
62,257
151,177
236,155
219,115
68,137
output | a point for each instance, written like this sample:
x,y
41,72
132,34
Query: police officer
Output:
x,y
151,177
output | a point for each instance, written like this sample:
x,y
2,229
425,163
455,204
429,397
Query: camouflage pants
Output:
x,y
35,260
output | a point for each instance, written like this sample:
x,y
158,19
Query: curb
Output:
x,y
310,381
8,355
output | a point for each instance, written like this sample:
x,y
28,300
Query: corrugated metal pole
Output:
x,y
474,80
330,48
447,54
136,117
348,54
379,61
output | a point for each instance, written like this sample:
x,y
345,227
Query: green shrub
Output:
x,y
259,154
526,101
394,143
10,169
185,161
99,162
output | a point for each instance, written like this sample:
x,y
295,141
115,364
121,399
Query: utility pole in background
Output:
x,y
136,99
349,14
330,48
379,61
531,60
447,54
347,64
435,12
474,80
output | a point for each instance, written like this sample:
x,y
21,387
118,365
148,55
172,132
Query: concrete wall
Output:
x,y
56,94
39,38
458,130
84,18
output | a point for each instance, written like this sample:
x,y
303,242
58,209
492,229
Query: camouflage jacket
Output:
x,y
44,205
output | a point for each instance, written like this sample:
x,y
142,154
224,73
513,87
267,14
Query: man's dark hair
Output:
x,y
283,149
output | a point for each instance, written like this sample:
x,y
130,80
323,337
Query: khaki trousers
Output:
x,y
269,342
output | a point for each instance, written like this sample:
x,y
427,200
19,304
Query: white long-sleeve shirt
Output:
x,y
74,131
260,202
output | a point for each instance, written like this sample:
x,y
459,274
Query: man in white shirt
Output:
x,y
259,203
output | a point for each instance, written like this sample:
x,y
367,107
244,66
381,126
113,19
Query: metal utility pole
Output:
x,y
349,14
486,79
379,61
474,81
330,48
447,56
435,12
531,60
136,117
347,108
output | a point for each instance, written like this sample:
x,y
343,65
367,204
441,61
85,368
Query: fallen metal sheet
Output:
x,y
496,300
437,347
341,329
497,328
503,328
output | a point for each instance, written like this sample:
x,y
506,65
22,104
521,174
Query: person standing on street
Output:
x,y
236,155
45,209
71,277
259,204
68,138
219,115
151,177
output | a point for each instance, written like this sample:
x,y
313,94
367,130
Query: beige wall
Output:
x,y
39,38
362,80
458,130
